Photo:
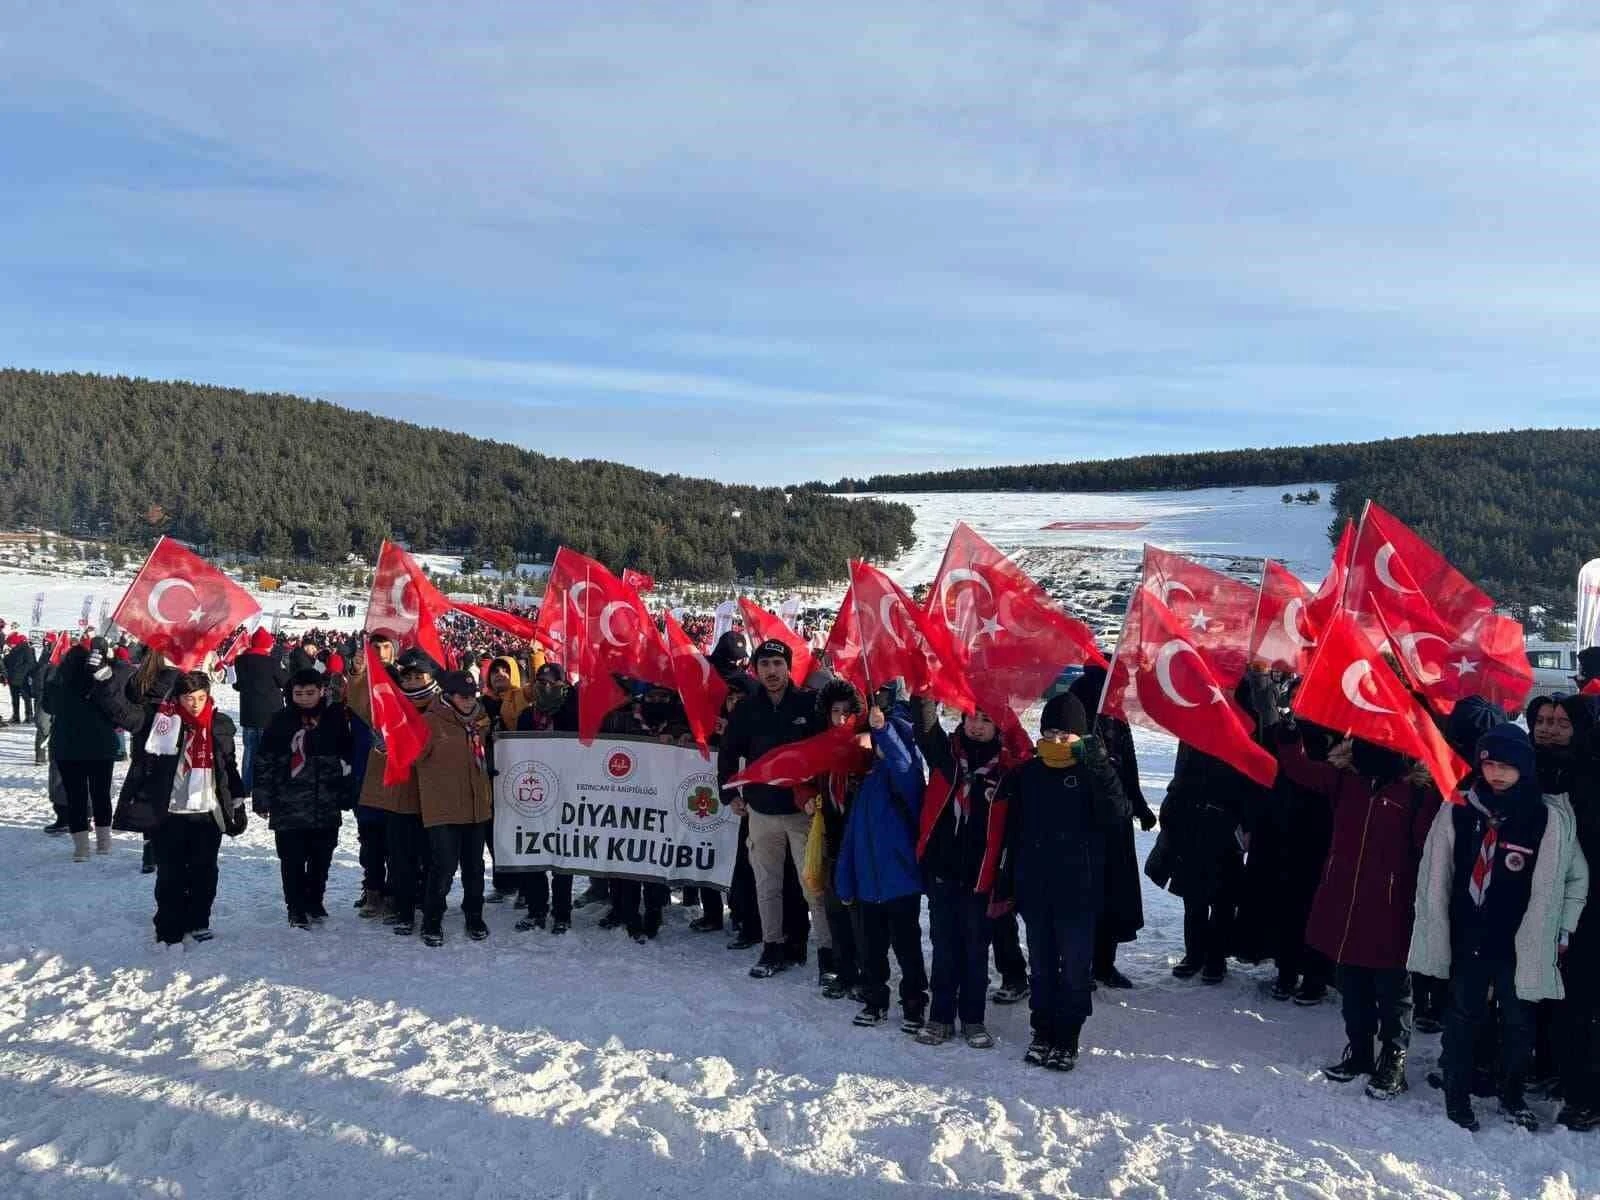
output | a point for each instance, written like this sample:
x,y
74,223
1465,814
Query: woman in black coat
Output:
x,y
83,741
1122,915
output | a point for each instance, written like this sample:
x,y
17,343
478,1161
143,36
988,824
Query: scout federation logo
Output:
x,y
698,804
533,789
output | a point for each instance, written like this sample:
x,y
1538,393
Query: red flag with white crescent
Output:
x,y
1284,635
1405,574
764,626
1162,680
1351,690
843,648
900,640
701,688
405,605
181,605
789,765
1215,611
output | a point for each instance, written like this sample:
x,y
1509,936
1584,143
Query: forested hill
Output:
x,y
282,476
1518,512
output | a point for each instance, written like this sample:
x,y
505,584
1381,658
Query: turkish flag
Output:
x,y
405,605
1283,635
1330,593
1215,611
639,581
701,688
1402,571
1010,637
1487,657
764,626
1351,690
843,649
559,626
396,721
616,635
1163,680
834,749
181,605
898,639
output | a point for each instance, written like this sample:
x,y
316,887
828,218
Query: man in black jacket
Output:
x,y
778,714
259,678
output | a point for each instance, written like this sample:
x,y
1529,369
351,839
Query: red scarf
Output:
x,y
198,748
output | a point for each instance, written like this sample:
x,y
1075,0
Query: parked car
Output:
x,y
1555,666
308,610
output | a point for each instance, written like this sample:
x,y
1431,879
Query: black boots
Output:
x,y
772,960
1389,1078
1357,1060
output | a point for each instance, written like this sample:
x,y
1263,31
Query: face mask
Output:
x,y
1056,754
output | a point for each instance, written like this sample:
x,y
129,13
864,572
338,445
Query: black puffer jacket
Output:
x,y
757,726
303,768
147,789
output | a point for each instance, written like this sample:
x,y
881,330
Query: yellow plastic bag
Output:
x,y
814,874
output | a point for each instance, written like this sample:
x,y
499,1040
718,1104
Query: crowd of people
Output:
x,y
1467,917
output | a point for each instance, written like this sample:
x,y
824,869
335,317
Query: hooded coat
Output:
x,y
146,794
878,851
83,710
303,775
452,781
1123,914
961,828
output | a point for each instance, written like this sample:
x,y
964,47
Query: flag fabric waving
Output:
x,y
1407,575
701,688
496,618
616,635
395,719
834,749
843,648
639,581
1011,639
1162,679
764,626
405,605
1215,610
1487,657
1284,635
181,605
899,640
1330,593
1351,690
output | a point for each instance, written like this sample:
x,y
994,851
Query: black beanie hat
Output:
x,y
1064,712
308,677
1589,662
457,683
417,660
773,648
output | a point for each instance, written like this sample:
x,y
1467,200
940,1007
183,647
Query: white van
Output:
x,y
308,610
295,588
1555,665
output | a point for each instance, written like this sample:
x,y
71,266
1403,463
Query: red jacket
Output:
x,y
1362,913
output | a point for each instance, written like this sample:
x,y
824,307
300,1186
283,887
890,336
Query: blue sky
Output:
x,y
781,242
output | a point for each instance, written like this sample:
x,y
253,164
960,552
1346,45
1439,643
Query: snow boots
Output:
x,y
1357,1060
102,839
1389,1078
80,846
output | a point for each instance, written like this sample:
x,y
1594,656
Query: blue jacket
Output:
x,y
878,857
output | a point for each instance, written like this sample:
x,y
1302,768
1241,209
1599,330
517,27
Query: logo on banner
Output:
x,y
698,804
534,789
619,765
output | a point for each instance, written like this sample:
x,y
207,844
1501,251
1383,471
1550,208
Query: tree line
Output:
x,y
1518,512
289,478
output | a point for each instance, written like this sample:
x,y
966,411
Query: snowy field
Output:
x,y
345,1062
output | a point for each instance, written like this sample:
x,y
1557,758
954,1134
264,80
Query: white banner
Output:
x,y
1589,604
623,806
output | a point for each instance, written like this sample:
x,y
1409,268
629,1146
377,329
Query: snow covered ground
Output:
x,y
346,1062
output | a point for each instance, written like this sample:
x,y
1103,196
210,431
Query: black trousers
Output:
x,y
186,874
1060,955
374,854
708,898
304,856
639,903
547,893
88,786
21,701
959,926
843,924
742,888
1376,1002
406,844
1006,939
1471,982
1208,929
893,925
1577,1033
453,847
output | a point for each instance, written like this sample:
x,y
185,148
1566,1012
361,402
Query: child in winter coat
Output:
x,y
1502,884
958,848
454,794
838,702
1061,808
303,781
877,872
1362,913
188,778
